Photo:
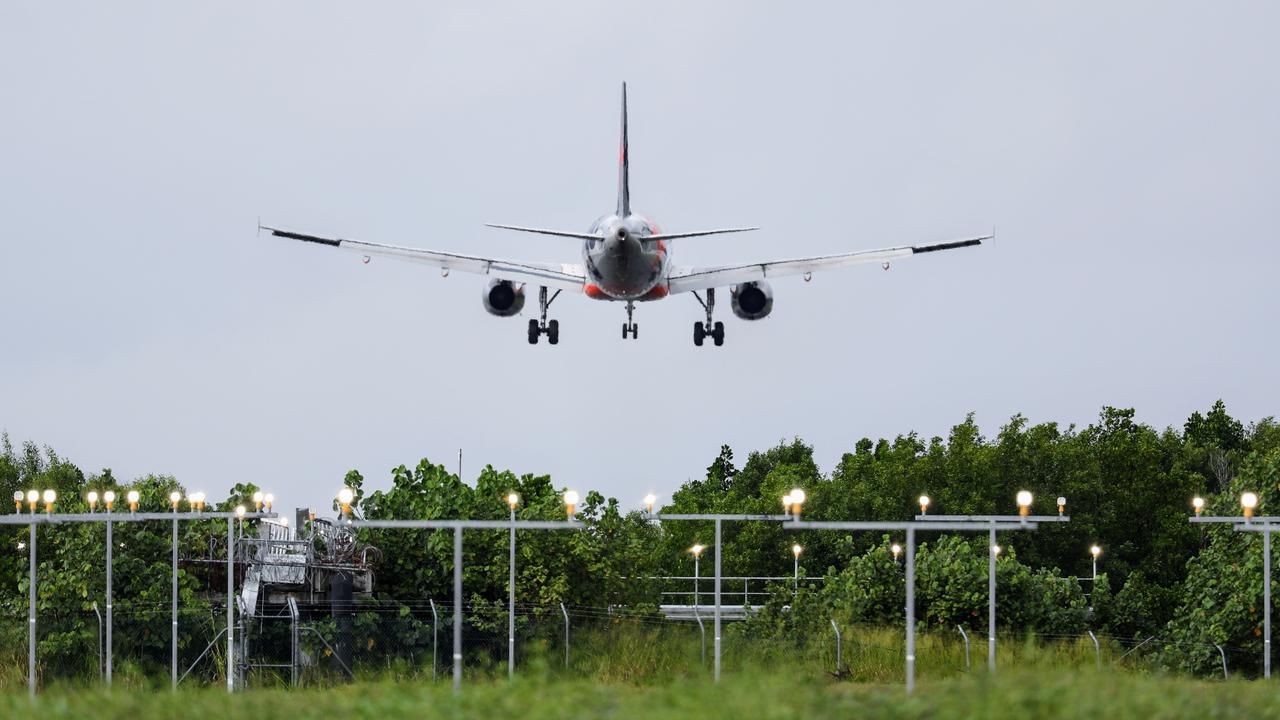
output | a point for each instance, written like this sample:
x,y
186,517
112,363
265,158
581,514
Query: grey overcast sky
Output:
x,y
1127,153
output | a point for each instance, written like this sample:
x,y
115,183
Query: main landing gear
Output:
x,y
630,328
543,327
701,331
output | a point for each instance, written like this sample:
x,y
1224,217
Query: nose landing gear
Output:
x,y
543,327
715,330
630,328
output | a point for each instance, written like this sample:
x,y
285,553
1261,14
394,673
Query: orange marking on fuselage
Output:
x,y
594,292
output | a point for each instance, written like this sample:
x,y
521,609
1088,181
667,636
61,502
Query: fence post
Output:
x,y
839,647
703,632
965,635
31,610
1224,660
1097,650
566,634
435,631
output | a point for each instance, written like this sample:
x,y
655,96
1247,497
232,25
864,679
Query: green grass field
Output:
x,y
636,673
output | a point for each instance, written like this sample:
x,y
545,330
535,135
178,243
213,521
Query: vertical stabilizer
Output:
x,y
624,189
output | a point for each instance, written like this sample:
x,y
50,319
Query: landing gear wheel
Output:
x,y
553,332
718,333
698,334
534,332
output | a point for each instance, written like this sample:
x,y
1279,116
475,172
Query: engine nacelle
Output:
x,y
752,300
503,298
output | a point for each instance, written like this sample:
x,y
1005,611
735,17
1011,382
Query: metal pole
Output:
x,y
110,606
911,609
702,632
1095,571
795,583
31,613
174,655
1097,649
1266,601
839,647
457,609
1224,661
231,611
566,634
511,602
991,602
965,635
435,631
695,580
716,636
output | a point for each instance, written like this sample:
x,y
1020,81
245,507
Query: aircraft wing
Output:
x,y
704,278
567,276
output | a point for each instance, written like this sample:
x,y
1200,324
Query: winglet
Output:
x,y
624,187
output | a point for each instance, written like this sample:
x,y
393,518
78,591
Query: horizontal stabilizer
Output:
x,y
542,231
699,233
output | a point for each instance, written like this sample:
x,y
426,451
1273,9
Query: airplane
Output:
x,y
626,258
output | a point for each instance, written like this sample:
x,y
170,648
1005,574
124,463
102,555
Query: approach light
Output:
x,y
1095,551
649,501
92,498
175,497
1197,503
345,496
50,497
268,500
896,549
1024,499
133,498
512,500
1062,504
697,549
33,497
240,512
109,499
17,500
1249,501
196,499
786,504
797,501
924,504
796,550
257,501
570,502
995,550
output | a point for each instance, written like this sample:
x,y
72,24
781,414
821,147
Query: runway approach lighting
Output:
x,y
1062,505
50,496
697,549
1024,499
797,501
786,504
175,498
345,496
268,500
17,500
796,550
33,497
257,501
570,502
240,512
896,549
1095,551
924,504
1197,503
109,499
995,550
133,498
649,501
512,500
1249,501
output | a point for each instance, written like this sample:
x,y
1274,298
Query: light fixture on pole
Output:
x,y
1197,503
896,549
570,502
33,497
924,504
697,555
240,511
133,498
995,550
92,499
795,551
17,500
1095,551
797,501
1249,501
786,504
1062,505
269,500
1024,499
50,497
345,496
109,499
257,500
649,501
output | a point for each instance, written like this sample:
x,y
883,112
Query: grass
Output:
x,y
655,672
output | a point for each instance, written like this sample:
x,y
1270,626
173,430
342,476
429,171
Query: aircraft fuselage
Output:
x,y
624,264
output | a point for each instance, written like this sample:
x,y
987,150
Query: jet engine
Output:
x,y
752,300
503,298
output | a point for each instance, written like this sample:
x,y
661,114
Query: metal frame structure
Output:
x,y
910,528
109,518
458,526
991,563
718,519
1266,526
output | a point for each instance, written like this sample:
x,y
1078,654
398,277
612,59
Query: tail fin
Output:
x,y
624,189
